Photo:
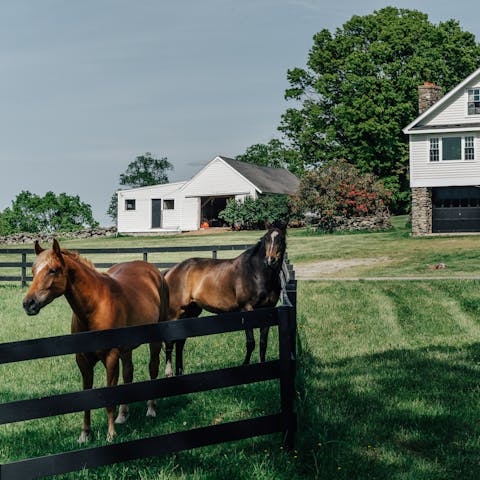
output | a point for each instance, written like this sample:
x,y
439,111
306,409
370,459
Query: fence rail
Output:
x,y
281,369
23,277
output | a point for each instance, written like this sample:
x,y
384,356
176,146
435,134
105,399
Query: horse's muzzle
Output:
x,y
271,262
31,306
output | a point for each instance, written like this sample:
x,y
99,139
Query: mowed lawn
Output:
x,y
387,382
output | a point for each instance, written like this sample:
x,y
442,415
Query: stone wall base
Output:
x,y
421,211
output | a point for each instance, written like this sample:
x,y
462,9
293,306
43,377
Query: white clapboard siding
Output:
x,y
454,112
424,173
140,219
218,178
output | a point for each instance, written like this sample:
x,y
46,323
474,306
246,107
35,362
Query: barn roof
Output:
x,y
266,179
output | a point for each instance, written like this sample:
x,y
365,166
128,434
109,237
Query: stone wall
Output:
x,y
29,238
421,211
380,221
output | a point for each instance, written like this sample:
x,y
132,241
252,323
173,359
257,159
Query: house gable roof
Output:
x,y
265,179
416,127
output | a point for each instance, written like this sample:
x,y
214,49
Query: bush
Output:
x,y
336,192
251,214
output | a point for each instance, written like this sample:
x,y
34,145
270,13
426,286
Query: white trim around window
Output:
x,y
452,148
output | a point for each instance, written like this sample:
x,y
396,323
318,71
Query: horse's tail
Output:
x,y
164,299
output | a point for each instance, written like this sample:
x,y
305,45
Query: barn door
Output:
x,y
156,212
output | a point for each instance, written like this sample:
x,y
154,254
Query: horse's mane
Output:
x,y
78,258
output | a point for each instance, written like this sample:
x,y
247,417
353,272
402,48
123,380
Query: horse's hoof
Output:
x,y
110,437
83,438
121,418
151,413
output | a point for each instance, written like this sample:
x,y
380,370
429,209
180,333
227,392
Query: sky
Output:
x,y
85,87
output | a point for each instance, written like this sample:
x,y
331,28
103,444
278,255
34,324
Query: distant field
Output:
x,y
390,253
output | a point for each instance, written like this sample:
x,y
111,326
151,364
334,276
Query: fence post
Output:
x,y
24,269
145,256
214,254
286,338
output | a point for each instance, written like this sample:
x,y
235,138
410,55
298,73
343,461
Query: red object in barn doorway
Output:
x,y
204,225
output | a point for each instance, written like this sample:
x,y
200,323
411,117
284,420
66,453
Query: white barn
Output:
x,y
444,142
185,205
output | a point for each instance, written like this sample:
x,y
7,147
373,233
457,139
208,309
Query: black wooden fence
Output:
x,y
283,369
23,265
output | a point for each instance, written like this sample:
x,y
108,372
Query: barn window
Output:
x,y
169,204
474,101
130,204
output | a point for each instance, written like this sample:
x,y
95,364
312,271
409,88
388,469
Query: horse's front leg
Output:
x,y
250,339
111,365
85,364
127,374
263,342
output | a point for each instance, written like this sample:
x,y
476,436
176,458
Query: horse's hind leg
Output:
x,y
168,357
85,364
263,342
127,374
192,310
153,366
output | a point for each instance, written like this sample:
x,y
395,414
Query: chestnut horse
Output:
x,y
251,280
130,293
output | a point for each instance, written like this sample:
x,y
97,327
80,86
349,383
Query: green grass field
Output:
x,y
388,376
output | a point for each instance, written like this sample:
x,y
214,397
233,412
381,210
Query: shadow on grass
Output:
x,y
394,415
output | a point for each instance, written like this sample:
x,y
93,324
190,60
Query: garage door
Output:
x,y
455,209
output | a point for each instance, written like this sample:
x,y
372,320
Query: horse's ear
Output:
x,y
56,249
38,248
268,225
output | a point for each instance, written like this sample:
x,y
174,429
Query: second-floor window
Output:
x,y
473,101
434,150
451,148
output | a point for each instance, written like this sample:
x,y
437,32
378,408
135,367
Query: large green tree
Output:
x,y
273,154
359,88
145,170
51,213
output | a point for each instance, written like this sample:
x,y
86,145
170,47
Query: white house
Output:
x,y
445,159
185,205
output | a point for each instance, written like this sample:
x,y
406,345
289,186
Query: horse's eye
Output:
x,y
53,271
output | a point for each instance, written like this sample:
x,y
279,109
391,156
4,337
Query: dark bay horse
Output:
x,y
130,293
251,280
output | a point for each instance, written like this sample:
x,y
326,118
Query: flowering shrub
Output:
x,y
337,191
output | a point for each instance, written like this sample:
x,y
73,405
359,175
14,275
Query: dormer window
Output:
x,y
474,101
